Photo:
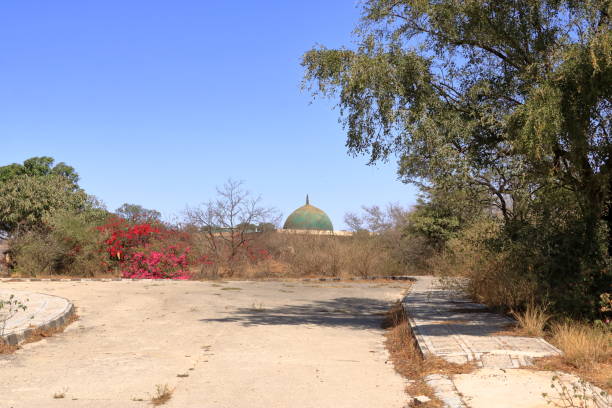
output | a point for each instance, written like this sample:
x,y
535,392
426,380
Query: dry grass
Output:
x,y
60,394
533,321
582,344
408,360
587,352
162,395
7,348
599,374
304,255
38,335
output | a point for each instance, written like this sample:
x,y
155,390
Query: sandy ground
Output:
x,y
235,344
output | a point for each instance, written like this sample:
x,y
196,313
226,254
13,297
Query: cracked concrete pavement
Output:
x,y
230,345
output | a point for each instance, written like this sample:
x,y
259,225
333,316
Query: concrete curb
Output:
x,y
442,385
372,278
445,390
57,320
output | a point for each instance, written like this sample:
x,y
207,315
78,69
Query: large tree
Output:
x,y
509,100
39,166
136,214
26,201
32,191
229,222
503,96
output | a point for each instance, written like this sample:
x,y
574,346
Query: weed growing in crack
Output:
x,y
579,394
162,395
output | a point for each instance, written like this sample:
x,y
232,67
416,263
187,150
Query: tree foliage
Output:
x,y
137,214
38,167
228,223
507,100
26,201
32,191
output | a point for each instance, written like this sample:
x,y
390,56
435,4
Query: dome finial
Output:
x,y
307,200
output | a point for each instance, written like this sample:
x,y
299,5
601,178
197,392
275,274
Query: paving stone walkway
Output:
x,y
448,325
42,311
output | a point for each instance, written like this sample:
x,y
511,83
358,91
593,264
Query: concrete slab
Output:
x,y
241,344
521,388
449,326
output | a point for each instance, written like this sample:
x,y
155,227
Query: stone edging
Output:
x,y
442,385
56,321
402,278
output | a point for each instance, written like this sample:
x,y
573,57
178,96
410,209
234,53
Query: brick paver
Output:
x,y
448,325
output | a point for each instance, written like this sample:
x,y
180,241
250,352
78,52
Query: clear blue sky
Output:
x,y
155,102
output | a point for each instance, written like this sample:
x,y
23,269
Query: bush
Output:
x,y
583,345
145,250
68,244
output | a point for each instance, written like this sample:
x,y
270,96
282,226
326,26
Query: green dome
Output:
x,y
308,217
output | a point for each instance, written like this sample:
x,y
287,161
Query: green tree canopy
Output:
x,y
138,214
509,101
26,201
504,95
39,166
31,192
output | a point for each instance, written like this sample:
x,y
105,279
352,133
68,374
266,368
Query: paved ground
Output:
x,y
241,344
451,327
43,311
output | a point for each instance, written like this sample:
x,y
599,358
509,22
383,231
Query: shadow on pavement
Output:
x,y
356,313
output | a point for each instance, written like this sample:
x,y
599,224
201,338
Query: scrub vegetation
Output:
x,y
500,112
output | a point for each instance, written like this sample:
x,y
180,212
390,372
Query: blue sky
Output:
x,y
157,102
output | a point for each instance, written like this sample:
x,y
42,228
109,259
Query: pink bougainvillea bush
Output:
x,y
145,251
158,265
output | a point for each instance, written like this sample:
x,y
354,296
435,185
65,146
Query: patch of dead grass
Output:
x,y
598,374
60,394
533,321
408,360
7,348
587,353
162,395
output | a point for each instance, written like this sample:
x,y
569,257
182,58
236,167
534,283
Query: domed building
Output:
x,y
308,217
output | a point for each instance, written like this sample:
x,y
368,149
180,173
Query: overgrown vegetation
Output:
x,y
229,236
501,112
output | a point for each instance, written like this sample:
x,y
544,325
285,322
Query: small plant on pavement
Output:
x,y
8,309
533,320
60,394
579,394
162,394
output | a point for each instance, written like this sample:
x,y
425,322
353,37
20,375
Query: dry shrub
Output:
x,y
489,276
306,255
408,360
69,244
532,321
162,395
583,345
7,348
587,352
